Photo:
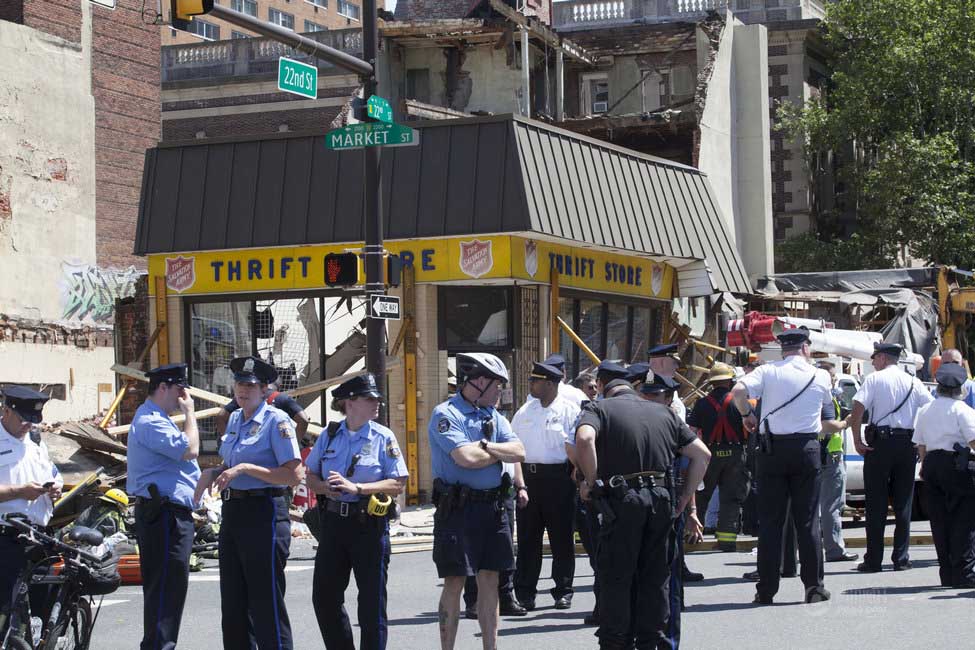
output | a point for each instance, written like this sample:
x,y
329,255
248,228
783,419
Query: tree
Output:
x,y
901,99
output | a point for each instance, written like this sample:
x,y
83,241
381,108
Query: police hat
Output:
x,y
546,371
611,370
793,338
890,349
951,375
658,385
555,360
173,373
27,403
665,350
638,371
251,370
357,386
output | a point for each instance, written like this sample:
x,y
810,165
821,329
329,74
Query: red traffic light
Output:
x,y
341,269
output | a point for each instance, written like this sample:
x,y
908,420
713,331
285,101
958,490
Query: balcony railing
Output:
x,y
582,14
247,56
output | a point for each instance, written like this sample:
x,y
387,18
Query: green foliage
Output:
x,y
808,253
901,98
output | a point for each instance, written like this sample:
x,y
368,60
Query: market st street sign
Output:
x,y
371,134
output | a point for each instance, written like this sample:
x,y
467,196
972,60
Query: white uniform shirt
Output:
x,y
677,404
778,382
943,422
545,430
884,390
24,461
571,393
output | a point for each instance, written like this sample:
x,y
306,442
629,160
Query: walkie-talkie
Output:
x,y
355,461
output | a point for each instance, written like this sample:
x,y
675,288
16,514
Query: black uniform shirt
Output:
x,y
634,435
705,417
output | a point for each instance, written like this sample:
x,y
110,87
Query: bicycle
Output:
x,y
68,624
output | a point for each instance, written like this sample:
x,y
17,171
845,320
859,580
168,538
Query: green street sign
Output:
x,y
379,109
371,134
297,78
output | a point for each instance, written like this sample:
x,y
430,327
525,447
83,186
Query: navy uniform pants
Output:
x,y
551,504
888,473
789,477
587,523
951,506
676,582
13,559
165,544
255,538
634,571
506,577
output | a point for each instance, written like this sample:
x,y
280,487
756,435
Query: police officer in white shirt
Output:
x,y
664,361
29,481
545,491
940,426
892,398
797,404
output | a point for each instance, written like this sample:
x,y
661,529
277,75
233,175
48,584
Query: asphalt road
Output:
x,y
885,610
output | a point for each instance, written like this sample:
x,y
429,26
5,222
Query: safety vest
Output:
x,y
723,431
835,443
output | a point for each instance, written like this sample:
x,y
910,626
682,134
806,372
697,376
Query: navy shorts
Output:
x,y
473,538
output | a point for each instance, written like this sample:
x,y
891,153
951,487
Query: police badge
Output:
x,y
443,426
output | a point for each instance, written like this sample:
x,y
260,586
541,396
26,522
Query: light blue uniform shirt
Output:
x,y
455,423
267,439
155,455
375,445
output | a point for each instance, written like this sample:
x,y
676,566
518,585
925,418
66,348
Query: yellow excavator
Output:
x,y
956,308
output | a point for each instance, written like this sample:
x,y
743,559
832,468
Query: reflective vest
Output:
x,y
835,443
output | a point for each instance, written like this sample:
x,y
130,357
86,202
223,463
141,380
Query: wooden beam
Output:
x,y
162,319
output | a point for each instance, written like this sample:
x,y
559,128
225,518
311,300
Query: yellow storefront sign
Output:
x,y
460,259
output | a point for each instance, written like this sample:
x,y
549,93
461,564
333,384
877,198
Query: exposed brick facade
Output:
x,y
60,18
250,124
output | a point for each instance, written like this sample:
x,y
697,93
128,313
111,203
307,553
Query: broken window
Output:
x,y
595,93
480,319
418,84
654,91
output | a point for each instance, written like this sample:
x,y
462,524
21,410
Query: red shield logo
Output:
x,y
180,273
476,258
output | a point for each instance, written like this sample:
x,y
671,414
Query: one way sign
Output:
x,y
384,307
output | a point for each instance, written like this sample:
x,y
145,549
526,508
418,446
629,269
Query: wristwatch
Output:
x,y
358,488
483,443
519,488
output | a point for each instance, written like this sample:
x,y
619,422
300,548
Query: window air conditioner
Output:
x,y
600,107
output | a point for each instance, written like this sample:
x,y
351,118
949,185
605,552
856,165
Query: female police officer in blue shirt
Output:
x,y
353,463
260,462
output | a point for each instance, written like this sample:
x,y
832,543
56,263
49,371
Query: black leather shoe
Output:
x,y
751,576
903,566
845,557
471,612
863,567
591,619
817,595
692,576
512,608
762,600
565,602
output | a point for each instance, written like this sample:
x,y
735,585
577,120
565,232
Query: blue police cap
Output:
x,y
556,360
793,338
638,371
891,349
356,387
251,370
951,375
658,385
665,350
173,373
27,403
611,369
546,371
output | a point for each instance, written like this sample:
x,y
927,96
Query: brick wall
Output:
x,y
60,18
431,9
125,84
249,124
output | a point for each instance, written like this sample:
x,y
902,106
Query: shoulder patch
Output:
x,y
284,428
392,449
443,426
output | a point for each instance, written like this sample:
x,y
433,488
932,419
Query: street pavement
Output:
x,y
890,609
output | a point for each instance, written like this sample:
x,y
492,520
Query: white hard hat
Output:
x,y
471,365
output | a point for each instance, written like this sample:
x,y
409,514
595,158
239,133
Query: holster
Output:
x,y
870,434
504,492
764,442
153,507
963,459
598,497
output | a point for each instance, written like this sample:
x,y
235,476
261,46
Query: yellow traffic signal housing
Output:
x,y
181,11
342,270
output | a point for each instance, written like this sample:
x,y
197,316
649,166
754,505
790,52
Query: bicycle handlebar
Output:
x,y
31,533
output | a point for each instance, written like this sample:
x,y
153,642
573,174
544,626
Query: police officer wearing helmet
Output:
x,y
29,481
625,447
261,462
797,404
944,433
892,398
162,476
469,440
356,469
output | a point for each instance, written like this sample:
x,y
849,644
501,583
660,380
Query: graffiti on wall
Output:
x,y
88,293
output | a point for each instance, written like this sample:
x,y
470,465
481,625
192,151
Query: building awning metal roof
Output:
x,y
493,175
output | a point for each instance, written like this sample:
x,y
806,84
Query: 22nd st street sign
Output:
x,y
379,109
371,134
297,78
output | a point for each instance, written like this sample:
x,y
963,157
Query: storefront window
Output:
x,y
475,318
616,332
641,328
568,349
591,329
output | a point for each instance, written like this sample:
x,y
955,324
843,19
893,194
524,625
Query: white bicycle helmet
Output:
x,y
471,365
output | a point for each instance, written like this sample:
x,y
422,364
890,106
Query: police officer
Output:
x,y
832,494
356,468
29,482
277,399
625,447
796,405
719,424
664,362
469,440
889,460
546,493
261,462
162,477
567,391
945,436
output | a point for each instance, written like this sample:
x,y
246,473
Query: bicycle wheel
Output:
x,y
73,630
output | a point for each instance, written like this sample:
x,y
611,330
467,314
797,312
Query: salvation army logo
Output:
x,y
657,279
180,273
476,258
531,257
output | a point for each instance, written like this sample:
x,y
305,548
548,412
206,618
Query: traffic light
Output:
x,y
394,270
342,269
182,11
